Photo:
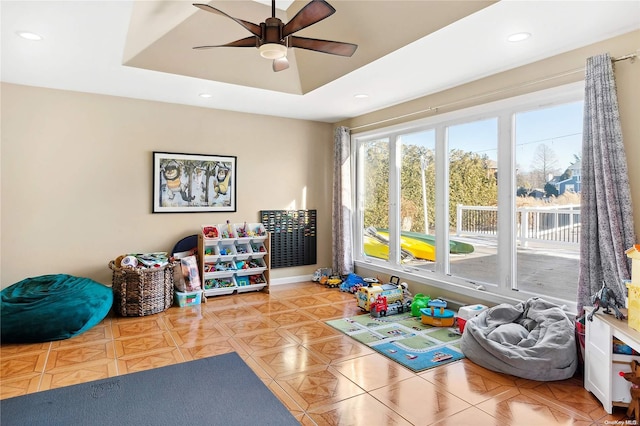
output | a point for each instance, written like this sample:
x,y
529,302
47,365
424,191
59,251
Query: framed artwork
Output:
x,y
193,183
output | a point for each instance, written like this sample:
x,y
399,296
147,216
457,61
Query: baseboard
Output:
x,y
290,280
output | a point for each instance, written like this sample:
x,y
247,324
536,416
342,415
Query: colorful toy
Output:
x,y
380,307
210,232
420,301
352,283
256,279
332,281
633,377
437,315
467,312
605,298
441,356
367,295
319,273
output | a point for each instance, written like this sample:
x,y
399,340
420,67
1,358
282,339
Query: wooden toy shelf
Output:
x,y
234,265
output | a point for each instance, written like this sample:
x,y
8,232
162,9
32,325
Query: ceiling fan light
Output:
x,y
273,51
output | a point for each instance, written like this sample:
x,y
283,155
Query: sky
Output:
x,y
559,127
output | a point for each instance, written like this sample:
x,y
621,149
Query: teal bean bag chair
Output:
x,y
52,307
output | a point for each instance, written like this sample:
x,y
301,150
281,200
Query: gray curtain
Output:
x,y
607,216
342,262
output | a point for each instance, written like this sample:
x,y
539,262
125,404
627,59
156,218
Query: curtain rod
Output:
x,y
631,56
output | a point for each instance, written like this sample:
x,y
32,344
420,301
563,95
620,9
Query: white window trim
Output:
x,y
504,110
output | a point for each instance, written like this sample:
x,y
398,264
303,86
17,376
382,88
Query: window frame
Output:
x,y
504,110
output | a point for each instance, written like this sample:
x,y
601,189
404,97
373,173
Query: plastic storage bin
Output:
x,y
466,312
191,298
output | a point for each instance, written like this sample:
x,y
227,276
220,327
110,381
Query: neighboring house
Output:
x,y
571,184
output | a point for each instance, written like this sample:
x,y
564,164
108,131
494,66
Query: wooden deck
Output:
x,y
543,270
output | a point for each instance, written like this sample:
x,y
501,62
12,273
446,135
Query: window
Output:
x,y
484,198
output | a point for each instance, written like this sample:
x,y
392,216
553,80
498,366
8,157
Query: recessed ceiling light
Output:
x,y
518,37
205,95
361,96
27,35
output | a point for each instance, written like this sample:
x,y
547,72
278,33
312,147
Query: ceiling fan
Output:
x,y
273,37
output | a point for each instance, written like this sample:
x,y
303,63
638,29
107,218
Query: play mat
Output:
x,y
404,339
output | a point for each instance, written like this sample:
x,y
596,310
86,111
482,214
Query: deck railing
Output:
x,y
559,225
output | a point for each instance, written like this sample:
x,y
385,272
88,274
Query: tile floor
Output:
x,y
322,376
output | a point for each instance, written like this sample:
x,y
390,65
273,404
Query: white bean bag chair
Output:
x,y
533,340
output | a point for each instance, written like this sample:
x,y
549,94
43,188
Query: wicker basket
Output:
x,y
140,291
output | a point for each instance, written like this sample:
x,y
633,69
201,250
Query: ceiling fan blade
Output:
x,y
313,12
324,46
253,28
280,64
251,41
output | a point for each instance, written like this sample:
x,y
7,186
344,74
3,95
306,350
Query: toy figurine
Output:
x,y
605,298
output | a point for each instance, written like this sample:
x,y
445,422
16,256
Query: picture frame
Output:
x,y
193,183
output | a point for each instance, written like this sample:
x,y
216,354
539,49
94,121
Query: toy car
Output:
x,y
333,281
380,307
321,273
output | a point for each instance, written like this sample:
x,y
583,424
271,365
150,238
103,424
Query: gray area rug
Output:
x,y
220,390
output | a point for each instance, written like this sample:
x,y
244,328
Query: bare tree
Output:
x,y
544,164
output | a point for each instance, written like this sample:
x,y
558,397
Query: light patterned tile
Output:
x,y
148,361
419,401
198,333
79,373
255,297
338,348
220,303
9,349
262,323
339,296
321,375
99,333
514,407
130,327
22,364
184,317
372,371
217,346
318,387
360,409
147,343
333,311
308,332
236,313
22,385
264,339
287,360
471,416
285,398
290,318
295,290
309,301
66,356
274,306
469,381
569,395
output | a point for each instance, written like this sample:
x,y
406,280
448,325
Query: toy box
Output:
x,y
620,388
633,311
188,298
466,312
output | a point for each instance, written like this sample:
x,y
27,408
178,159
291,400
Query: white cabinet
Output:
x,y
233,258
601,366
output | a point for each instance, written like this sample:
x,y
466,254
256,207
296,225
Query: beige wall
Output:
x,y
76,168
76,177
555,71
